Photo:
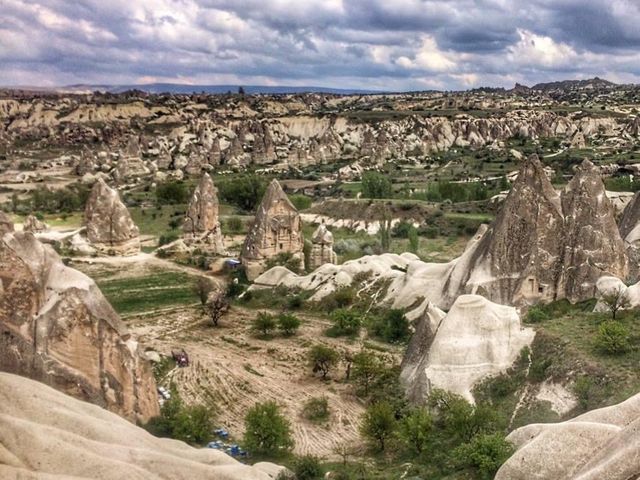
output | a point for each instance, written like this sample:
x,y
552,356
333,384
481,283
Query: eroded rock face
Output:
x,y
110,228
46,434
6,224
475,339
630,232
33,225
543,245
592,244
322,248
201,223
277,229
603,444
58,328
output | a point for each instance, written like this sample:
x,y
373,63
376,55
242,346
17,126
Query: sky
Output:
x,y
391,45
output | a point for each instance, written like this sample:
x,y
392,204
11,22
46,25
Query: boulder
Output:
x,y
45,435
475,339
110,228
201,223
58,328
277,229
33,225
603,444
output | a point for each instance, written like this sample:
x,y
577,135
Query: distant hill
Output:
x,y
574,84
211,89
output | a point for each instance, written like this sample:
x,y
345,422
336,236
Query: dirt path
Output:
x,y
233,370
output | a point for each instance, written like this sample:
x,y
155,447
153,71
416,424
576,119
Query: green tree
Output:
x,y
244,191
264,323
414,240
415,429
322,359
613,338
366,367
191,424
392,326
172,193
376,185
485,454
616,300
288,324
267,431
345,322
378,424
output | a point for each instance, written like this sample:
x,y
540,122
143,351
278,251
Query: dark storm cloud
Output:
x,y
400,44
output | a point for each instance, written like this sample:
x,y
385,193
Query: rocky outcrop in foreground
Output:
x,y
603,444
57,327
110,228
6,224
201,223
277,229
45,434
475,339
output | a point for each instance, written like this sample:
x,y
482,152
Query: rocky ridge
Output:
x,y
58,328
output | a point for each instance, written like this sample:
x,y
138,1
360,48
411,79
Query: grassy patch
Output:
x,y
155,291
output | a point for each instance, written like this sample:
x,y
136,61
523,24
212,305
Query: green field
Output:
x,y
158,290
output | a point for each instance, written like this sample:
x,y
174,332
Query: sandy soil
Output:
x,y
234,370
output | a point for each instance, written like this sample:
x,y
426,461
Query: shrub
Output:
x,y
264,323
284,259
167,238
322,359
414,430
345,322
414,240
267,431
613,338
392,327
307,468
484,454
190,424
537,315
402,229
234,224
378,424
202,287
301,202
288,323
316,409
172,193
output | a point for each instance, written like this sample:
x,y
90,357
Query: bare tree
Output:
x,y
217,306
615,300
203,288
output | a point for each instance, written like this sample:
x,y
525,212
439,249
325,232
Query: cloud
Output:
x,y
399,45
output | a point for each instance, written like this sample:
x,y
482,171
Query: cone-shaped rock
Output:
x,y
592,243
277,229
59,329
110,228
33,225
517,258
6,224
322,248
201,223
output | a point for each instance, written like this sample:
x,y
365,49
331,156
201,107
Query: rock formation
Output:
x,y
629,227
277,229
603,444
322,248
33,225
543,245
201,224
45,435
475,339
58,328
591,241
110,228
6,224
